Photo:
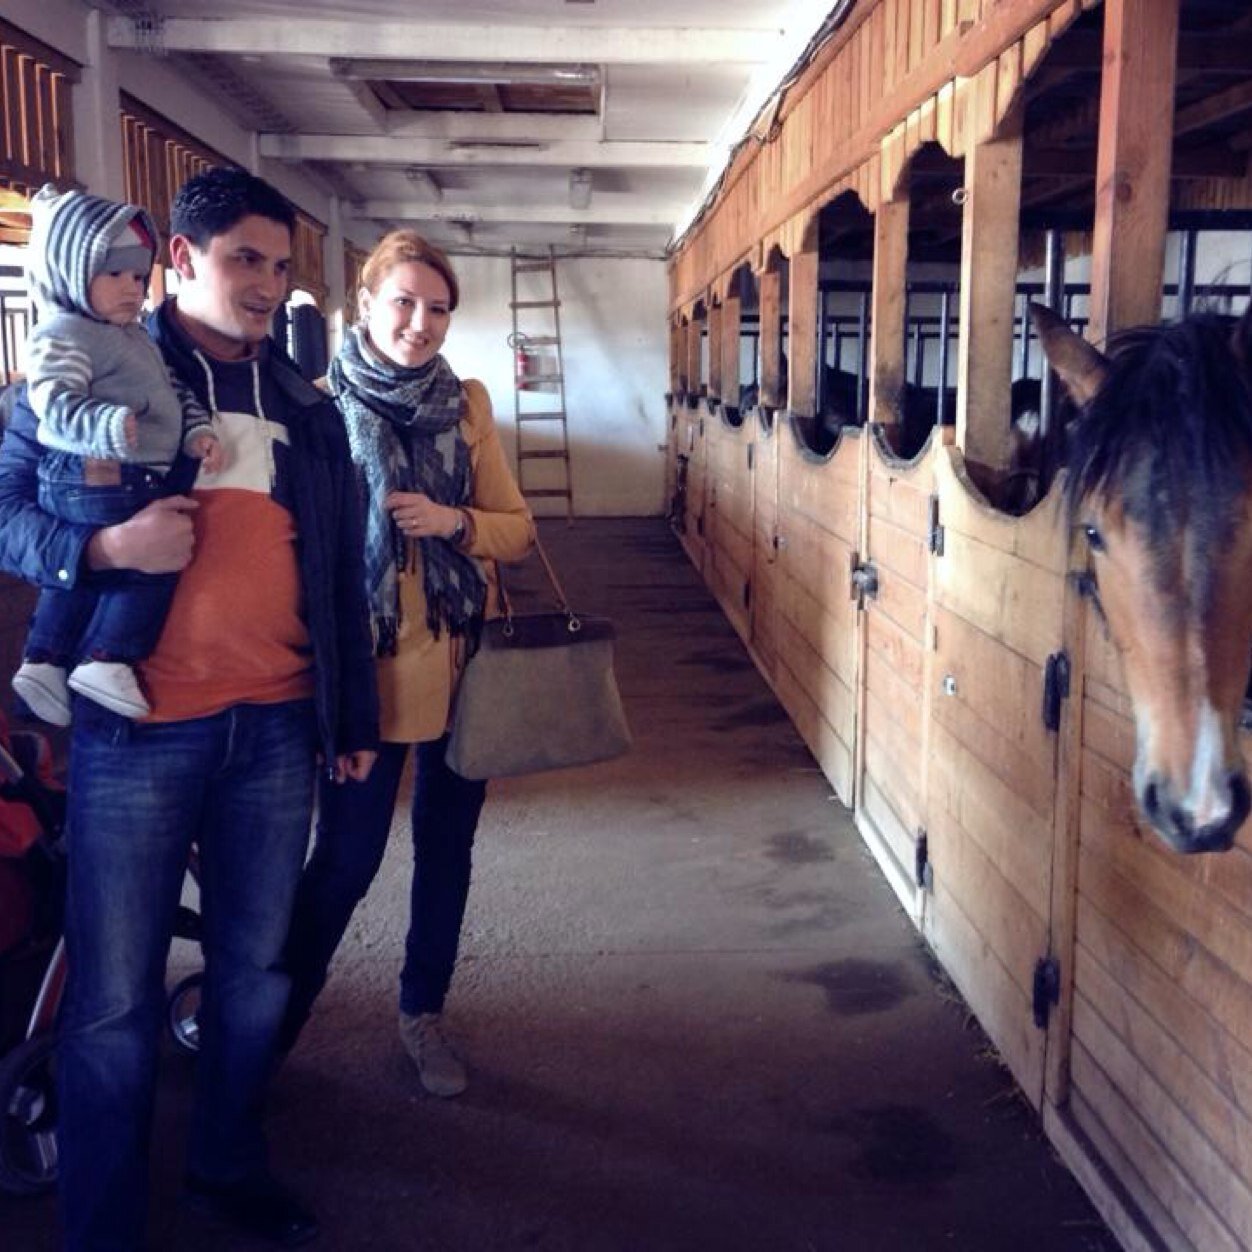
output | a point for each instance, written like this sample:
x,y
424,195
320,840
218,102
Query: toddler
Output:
x,y
114,421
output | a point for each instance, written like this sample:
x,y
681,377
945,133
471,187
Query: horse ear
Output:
x,y
1080,367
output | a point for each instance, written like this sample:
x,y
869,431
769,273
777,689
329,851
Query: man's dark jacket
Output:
x,y
326,504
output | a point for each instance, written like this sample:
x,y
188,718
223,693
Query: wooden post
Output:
x,y
694,328
715,351
989,244
802,302
732,311
891,256
1133,164
772,396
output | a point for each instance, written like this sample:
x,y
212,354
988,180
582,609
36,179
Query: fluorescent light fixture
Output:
x,y
503,73
580,189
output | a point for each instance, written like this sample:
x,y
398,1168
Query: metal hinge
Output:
x,y
864,580
923,870
1046,989
1055,689
934,531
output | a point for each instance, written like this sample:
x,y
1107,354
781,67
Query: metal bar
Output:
x,y
1054,296
1186,272
945,329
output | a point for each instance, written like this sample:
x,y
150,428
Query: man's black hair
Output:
x,y
214,202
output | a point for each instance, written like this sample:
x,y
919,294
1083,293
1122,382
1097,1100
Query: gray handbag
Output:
x,y
539,693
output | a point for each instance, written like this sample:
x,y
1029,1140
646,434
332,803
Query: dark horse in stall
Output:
x,y
1159,477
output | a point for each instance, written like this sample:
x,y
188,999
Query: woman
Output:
x,y
442,507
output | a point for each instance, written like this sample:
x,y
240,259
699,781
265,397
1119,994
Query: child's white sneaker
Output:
x,y
111,684
42,686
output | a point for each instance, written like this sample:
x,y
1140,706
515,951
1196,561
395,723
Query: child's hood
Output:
x,y
71,234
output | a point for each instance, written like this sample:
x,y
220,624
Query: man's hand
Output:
x,y
354,765
159,539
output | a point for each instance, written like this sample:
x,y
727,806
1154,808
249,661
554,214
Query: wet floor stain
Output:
x,y
797,847
717,660
855,987
761,713
900,1143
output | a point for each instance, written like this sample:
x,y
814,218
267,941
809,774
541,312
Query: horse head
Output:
x,y
1159,478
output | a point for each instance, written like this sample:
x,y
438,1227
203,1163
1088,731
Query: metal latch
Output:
x,y
864,580
1046,990
1055,689
934,531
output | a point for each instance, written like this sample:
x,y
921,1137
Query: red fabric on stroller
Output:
x,y
19,830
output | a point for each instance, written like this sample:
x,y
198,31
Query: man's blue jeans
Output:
x,y
240,785
354,820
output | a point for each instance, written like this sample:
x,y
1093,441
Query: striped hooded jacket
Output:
x,y
85,374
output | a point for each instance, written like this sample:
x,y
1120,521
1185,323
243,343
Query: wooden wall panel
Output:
x,y
765,443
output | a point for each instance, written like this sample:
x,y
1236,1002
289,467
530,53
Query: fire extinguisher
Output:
x,y
523,361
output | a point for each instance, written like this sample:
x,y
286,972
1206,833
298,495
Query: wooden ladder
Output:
x,y
549,379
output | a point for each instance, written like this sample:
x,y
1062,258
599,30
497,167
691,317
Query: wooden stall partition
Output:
x,y
1161,1082
891,602
763,593
992,755
728,520
691,473
818,626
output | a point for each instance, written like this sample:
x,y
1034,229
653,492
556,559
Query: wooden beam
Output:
x,y
773,394
891,255
1132,167
732,314
497,41
715,350
989,248
485,149
610,207
1187,161
802,313
1222,107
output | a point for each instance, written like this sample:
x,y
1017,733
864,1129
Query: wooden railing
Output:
x,y
36,119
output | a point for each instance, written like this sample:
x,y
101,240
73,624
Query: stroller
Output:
x,y
32,961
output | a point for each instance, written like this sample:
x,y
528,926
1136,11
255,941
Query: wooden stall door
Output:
x,y
691,445
818,640
892,604
764,587
1160,1081
992,782
728,520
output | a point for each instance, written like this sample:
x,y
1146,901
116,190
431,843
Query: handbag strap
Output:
x,y
562,600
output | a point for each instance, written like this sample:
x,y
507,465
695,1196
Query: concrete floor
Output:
x,y
697,1019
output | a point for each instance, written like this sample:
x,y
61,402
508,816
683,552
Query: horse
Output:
x,y
1158,463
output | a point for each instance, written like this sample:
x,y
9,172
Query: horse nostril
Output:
x,y
1240,798
1151,800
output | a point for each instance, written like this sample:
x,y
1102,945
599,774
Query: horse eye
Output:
x,y
1094,538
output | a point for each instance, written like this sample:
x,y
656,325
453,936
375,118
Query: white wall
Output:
x,y
613,317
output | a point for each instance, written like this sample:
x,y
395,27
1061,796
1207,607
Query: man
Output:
x,y
265,662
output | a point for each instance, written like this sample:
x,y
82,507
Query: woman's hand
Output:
x,y
354,766
419,517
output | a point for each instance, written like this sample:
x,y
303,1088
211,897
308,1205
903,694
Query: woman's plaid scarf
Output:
x,y
404,431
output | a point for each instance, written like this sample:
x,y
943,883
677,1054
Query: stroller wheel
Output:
x,y
182,1014
28,1117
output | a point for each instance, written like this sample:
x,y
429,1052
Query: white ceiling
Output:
x,y
675,77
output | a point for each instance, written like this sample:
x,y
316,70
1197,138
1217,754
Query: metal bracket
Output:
x,y
923,870
1055,689
1046,989
864,581
934,531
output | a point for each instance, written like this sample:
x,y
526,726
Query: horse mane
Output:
x,y
1170,430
